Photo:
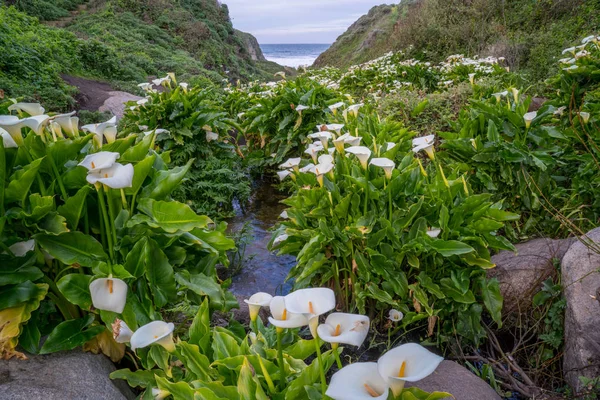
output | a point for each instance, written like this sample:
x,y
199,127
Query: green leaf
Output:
x,y
196,363
135,262
139,378
139,152
456,293
18,269
73,207
420,108
76,289
21,181
165,182
159,274
172,216
140,173
71,334
30,337
2,173
449,248
179,390
307,377
200,328
13,295
492,298
201,284
224,345
73,247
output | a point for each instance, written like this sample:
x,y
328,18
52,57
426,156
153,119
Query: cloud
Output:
x,y
300,21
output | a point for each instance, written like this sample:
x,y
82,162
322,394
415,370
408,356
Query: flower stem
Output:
x,y
336,351
282,377
61,185
321,369
102,205
390,200
366,191
111,211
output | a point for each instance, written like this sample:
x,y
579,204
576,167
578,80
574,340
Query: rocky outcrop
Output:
x,y
252,46
115,104
581,282
521,274
61,376
452,378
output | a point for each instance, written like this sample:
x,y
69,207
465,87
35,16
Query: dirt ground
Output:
x,y
92,94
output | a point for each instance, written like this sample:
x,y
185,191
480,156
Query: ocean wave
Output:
x,y
292,61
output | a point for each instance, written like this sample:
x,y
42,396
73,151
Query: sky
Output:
x,y
297,21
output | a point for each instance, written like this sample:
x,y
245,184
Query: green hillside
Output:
x,y
529,33
123,42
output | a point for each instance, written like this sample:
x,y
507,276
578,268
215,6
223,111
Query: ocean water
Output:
x,y
293,55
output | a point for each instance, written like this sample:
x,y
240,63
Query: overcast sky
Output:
x,y
297,21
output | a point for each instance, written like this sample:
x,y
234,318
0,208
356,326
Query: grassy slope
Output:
x,y
121,41
529,33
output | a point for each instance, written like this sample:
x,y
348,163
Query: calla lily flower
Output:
x,y
515,93
340,142
409,362
424,143
323,136
282,318
358,381
160,394
121,332
354,109
300,108
499,95
109,294
158,332
337,128
32,109
395,315
472,79
283,174
118,176
585,116
313,150
291,163
284,215
19,249
335,106
69,125
325,159
13,126
162,81
36,123
280,239
184,86
157,131
8,141
362,153
353,140
98,161
145,86
106,129
560,111
345,329
431,232
322,169
256,301
211,136
307,168
530,116
310,302
390,145
386,164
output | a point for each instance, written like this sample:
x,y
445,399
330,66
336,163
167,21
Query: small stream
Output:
x,y
263,270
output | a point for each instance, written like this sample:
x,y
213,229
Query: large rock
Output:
x,y
115,104
581,282
61,376
458,381
521,274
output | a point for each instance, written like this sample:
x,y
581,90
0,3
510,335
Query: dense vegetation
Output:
x,y
530,34
123,42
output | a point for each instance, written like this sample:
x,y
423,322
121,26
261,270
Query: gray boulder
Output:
x,y
452,378
61,376
115,104
521,274
581,283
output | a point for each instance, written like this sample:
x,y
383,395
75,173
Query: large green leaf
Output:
x,y
172,216
140,173
21,181
224,345
179,390
196,363
71,334
139,378
449,248
200,329
65,150
159,274
16,270
492,298
307,377
2,172
165,182
73,207
73,247
248,386
76,289
12,295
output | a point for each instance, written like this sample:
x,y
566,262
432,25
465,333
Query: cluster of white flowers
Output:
x,y
575,53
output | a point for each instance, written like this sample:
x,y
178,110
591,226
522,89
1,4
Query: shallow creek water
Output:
x,y
263,270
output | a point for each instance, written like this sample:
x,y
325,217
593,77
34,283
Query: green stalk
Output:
x,y
321,369
336,279
111,211
102,205
366,191
124,200
282,377
336,352
61,185
390,200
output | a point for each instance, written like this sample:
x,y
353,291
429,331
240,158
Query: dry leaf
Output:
x,y
431,321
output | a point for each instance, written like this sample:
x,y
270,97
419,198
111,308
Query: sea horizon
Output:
x,y
293,54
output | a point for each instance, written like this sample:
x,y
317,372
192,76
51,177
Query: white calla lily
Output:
x,y
109,294
211,136
321,169
118,176
7,140
311,302
69,125
395,315
283,174
362,153
101,160
499,95
282,318
390,145
342,328
32,109
313,150
36,123
325,159
340,142
145,86
334,107
424,143
291,163
433,232
157,131
106,129
184,86
528,118
386,164
256,301
158,332
472,79
585,116
358,381
323,136
13,126
300,108
19,249
307,168
280,239
409,362
160,394
354,108
337,128
121,332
